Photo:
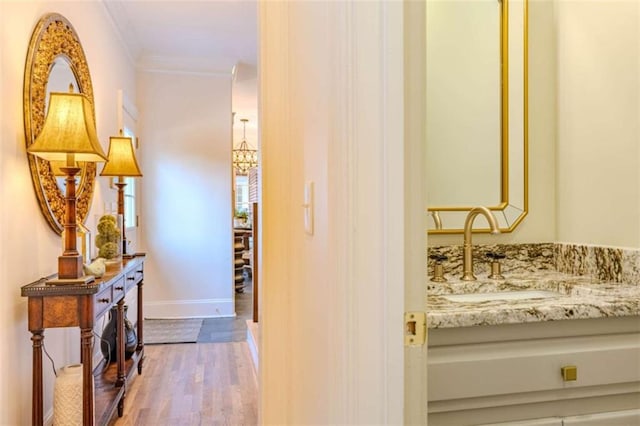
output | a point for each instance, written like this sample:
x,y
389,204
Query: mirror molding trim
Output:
x,y
54,36
506,207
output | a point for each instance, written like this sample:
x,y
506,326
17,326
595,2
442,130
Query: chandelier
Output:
x,y
244,158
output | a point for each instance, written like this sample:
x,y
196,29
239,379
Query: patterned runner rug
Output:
x,y
161,331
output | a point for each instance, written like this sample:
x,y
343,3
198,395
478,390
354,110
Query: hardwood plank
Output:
x,y
193,384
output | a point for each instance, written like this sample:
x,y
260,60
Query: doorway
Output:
x,y
245,219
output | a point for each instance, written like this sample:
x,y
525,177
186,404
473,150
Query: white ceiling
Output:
x,y
205,35
220,33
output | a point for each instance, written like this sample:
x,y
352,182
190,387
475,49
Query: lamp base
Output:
x,y
70,266
84,280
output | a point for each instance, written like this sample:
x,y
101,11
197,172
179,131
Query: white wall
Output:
x,y
540,224
291,125
186,205
244,100
598,119
332,113
28,248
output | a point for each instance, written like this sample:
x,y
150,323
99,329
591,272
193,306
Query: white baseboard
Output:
x,y
253,348
200,308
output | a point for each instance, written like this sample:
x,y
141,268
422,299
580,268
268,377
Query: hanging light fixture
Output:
x,y
244,158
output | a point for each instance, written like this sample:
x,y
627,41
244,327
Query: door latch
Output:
x,y
415,328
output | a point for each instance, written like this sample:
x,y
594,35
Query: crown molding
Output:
x,y
123,29
185,65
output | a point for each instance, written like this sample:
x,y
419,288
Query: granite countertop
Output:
x,y
579,297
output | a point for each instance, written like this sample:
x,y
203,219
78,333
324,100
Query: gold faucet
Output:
x,y
467,255
436,219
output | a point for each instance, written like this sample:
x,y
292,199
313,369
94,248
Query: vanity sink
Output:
x,y
502,295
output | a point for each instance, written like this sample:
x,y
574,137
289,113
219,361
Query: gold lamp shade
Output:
x,y
69,133
68,129
121,160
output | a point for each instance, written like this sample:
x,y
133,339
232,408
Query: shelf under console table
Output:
x,y
54,306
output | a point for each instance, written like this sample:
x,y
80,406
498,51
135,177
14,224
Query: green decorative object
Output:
x,y
108,250
108,238
108,218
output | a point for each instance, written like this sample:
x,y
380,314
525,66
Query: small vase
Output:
x,y
108,345
67,396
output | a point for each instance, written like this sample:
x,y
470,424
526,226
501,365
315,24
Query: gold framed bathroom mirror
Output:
x,y
476,111
55,61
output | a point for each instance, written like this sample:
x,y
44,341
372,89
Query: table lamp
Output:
x,y
69,134
121,163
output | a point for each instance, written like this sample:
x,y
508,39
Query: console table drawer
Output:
x,y
133,278
119,289
103,301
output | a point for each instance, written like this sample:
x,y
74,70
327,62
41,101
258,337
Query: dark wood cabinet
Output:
x,y
51,306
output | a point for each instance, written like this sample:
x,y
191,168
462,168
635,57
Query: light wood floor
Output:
x,y
193,384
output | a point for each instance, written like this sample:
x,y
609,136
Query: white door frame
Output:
x,y
415,202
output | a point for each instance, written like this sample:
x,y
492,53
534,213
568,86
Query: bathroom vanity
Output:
x,y
541,348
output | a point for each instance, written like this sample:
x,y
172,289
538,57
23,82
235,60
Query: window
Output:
x,y
242,193
130,192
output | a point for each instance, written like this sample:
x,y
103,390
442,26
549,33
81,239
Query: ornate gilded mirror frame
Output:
x,y
54,37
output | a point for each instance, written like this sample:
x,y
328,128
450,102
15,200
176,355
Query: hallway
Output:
x,y
212,382
193,384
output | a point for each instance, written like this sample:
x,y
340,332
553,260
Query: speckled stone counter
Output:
x,y
592,293
578,297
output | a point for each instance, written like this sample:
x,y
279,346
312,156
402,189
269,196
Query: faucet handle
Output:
x,y
438,270
495,257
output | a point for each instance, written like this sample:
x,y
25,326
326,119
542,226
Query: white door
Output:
x,y
343,218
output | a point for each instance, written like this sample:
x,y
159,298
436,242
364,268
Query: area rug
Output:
x,y
223,330
234,329
162,331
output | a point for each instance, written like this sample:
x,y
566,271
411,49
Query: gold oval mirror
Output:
x,y
55,60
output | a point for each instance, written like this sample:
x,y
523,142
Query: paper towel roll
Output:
x,y
67,396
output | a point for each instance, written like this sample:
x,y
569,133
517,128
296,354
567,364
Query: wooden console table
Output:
x,y
80,306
